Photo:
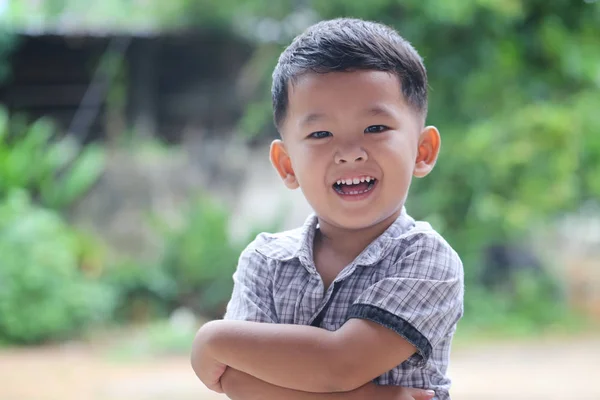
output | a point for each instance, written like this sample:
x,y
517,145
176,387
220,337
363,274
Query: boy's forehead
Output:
x,y
311,96
350,78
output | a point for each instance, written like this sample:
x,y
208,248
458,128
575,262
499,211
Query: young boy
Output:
x,y
362,300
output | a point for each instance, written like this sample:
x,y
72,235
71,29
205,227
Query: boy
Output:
x,y
362,293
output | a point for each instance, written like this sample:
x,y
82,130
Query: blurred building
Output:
x,y
99,83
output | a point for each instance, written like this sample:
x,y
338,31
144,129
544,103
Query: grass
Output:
x,y
517,327
156,339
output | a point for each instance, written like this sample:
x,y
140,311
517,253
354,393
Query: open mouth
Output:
x,y
354,187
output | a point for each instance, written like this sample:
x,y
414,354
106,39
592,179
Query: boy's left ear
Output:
x,y
428,150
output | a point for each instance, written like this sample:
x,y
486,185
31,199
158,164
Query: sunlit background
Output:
x,y
133,170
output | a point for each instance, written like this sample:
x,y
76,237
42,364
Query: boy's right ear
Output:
x,y
283,164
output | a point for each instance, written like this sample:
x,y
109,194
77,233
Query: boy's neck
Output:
x,y
351,242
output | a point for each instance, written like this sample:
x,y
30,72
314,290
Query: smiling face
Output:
x,y
352,144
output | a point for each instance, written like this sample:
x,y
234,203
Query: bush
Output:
x,y
56,172
194,271
534,305
144,292
200,259
44,294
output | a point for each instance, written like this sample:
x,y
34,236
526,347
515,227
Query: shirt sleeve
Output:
x,y
252,296
421,298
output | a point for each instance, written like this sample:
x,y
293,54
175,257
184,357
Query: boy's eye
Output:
x,y
320,135
376,129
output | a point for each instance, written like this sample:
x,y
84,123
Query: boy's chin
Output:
x,y
354,222
360,219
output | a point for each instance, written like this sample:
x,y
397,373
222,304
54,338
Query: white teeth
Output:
x,y
355,181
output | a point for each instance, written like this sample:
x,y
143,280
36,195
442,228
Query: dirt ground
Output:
x,y
550,369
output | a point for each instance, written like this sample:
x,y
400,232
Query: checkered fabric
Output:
x,y
409,280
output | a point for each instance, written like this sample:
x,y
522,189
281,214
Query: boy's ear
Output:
x,y
427,153
283,164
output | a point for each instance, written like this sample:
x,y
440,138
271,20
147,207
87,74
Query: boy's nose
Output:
x,y
355,154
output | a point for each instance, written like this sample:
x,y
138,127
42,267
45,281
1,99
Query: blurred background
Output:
x,y
134,168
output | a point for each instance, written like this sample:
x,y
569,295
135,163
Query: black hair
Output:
x,y
347,44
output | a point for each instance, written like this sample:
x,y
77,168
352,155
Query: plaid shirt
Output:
x,y
409,280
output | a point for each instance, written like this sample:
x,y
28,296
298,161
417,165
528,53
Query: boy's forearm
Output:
x,y
297,357
241,386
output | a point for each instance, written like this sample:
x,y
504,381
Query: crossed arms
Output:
x,y
250,355
278,361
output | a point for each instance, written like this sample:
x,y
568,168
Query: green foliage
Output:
x,y
200,259
534,307
138,15
144,292
194,271
43,292
55,172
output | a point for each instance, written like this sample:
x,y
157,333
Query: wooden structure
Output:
x,y
98,86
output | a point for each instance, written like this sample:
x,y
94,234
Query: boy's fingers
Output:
x,y
219,389
421,394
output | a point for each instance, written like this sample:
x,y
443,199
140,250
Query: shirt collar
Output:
x,y
299,243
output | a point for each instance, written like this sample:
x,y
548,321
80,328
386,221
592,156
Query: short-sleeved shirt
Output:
x,y
409,280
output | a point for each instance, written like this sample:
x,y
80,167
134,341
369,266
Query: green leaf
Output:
x,y
78,179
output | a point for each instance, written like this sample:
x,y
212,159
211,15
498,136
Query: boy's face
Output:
x,y
352,144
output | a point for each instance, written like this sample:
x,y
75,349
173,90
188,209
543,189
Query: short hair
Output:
x,y
348,44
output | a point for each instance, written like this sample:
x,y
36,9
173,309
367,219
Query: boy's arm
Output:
x,y
398,319
301,357
240,386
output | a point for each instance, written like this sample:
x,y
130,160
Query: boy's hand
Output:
x,y
414,394
372,391
206,367
210,374
241,386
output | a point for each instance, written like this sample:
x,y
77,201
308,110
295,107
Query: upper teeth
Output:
x,y
355,181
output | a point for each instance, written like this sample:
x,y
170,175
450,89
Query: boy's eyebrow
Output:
x,y
376,110
380,110
310,118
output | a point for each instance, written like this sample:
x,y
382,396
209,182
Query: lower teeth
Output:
x,y
354,192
